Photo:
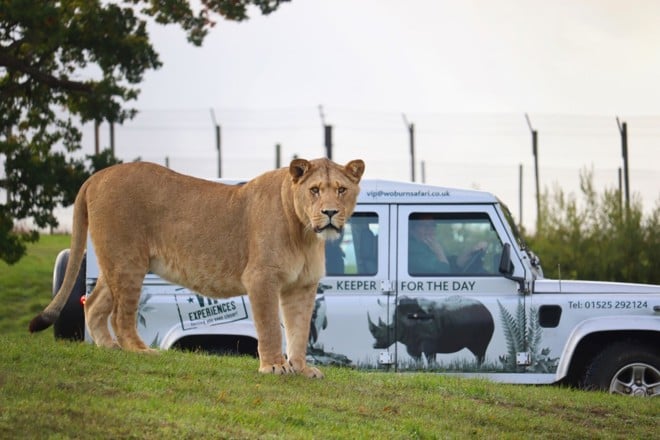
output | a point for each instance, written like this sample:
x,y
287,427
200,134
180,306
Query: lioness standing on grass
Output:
x,y
265,238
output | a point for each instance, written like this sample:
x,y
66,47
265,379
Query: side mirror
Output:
x,y
506,267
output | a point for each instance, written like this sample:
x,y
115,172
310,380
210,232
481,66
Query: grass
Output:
x,y
54,389
25,287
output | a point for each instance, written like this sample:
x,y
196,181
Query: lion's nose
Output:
x,y
329,212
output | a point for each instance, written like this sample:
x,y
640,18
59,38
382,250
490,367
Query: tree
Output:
x,y
598,239
69,61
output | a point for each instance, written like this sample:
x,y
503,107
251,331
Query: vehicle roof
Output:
x,y
392,191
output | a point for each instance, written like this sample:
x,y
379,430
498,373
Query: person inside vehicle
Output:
x,y
334,258
426,256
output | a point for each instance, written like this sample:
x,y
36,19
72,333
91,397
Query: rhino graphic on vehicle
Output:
x,y
431,327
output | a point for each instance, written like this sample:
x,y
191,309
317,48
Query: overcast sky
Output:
x,y
464,72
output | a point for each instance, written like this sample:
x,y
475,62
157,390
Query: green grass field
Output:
x,y
53,389
25,288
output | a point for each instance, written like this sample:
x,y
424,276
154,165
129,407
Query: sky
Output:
x,y
465,73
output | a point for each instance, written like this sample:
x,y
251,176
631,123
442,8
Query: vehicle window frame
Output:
x,y
481,212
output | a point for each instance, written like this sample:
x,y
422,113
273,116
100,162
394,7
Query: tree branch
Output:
x,y
13,63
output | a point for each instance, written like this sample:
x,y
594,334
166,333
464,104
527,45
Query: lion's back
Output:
x,y
199,233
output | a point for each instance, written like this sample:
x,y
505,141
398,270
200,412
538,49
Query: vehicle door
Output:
x,y
454,310
353,293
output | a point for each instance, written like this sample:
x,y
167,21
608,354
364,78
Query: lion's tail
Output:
x,y
78,242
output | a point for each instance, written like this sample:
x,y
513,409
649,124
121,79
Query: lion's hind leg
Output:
x,y
98,307
126,290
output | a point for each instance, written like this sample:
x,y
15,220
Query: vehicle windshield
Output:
x,y
512,225
534,260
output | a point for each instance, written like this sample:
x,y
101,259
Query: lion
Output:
x,y
264,238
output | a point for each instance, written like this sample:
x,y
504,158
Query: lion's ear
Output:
x,y
298,168
355,169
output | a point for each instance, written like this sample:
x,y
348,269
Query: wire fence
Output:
x,y
481,151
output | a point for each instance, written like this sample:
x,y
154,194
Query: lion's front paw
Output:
x,y
277,369
312,372
306,370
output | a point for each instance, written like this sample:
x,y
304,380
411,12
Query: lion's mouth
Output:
x,y
329,226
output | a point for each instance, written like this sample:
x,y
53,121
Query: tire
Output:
x,y
70,325
629,368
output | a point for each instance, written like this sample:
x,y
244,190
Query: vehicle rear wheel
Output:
x,y
626,367
71,322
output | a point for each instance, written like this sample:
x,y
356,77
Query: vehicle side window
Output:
x,y
452,244
356,251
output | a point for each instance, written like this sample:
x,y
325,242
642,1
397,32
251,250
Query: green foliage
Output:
x,y
597,238
71,60
102,160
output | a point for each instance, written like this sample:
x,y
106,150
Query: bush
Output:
x,y
598,239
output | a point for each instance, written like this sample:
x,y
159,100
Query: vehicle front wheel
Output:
x,y
628,368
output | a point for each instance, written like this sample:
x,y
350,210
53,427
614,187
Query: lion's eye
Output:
x,y
314,190
341,190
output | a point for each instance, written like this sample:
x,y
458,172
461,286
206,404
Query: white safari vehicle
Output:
x,y
386,305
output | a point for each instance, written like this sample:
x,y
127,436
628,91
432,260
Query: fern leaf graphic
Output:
x,y
511,333
535,332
